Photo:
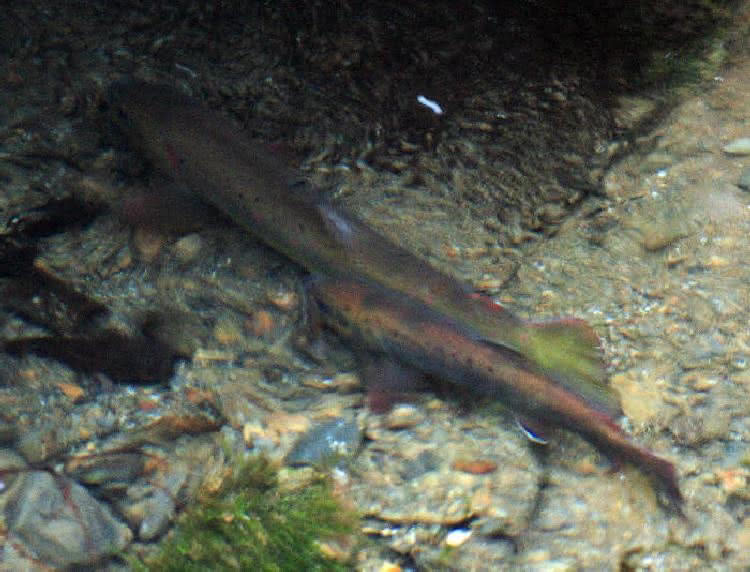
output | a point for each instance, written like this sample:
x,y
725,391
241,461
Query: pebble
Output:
x,y
744,181
72,390
641,399
228,331
9,461
403,416
99,469
341,382
149,509
699,381
739,146
262,323
457,537
284,300
147,244
474,466
188,248
334,438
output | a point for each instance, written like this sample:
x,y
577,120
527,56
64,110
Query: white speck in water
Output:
x,y
661,173
187,70
337,223
433,106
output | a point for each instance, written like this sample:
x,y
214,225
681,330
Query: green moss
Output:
x,y
252,524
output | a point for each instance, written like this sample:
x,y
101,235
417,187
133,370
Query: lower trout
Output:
x,y
207,153
407,331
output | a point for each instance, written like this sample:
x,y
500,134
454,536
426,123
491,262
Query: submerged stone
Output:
x,y
62,523
332,439
739,146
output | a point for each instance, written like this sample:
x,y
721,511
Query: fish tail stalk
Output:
x,y
550,402
615,443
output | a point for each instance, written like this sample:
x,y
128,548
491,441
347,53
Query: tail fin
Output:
x,y
569,350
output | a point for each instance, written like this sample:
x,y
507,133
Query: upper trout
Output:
x,y
405,330
206,152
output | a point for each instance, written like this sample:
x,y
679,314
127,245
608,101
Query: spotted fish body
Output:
x,y
391,324
208,154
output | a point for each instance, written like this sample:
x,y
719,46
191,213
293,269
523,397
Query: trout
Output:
x,y
395,326
207,153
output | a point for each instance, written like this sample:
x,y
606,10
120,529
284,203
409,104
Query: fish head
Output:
x,y
142,112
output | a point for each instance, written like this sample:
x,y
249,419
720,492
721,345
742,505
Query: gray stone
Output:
x,y
744,182
62,523
739,146
330,440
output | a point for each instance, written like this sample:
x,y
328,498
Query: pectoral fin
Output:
x,y
387,382
534,430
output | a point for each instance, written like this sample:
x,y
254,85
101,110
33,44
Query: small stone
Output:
x,y
551,213
739,146
641,400
657,236
200,396
335,438
342,382
262,323
717,262
488,284
250,432
456,538
227,331
159,511
98,469
744,182
147,244
474,466
700,382
337,549
733,481
9,461
72,390
284,300
188,248
403,416
281,422
474,252
205,357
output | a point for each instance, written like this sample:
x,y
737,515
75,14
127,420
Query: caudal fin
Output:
x,y
569,350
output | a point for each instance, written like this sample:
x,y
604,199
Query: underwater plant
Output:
x,y
252,523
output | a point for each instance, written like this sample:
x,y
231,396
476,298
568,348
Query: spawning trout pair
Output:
x,y
207,153
494,351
